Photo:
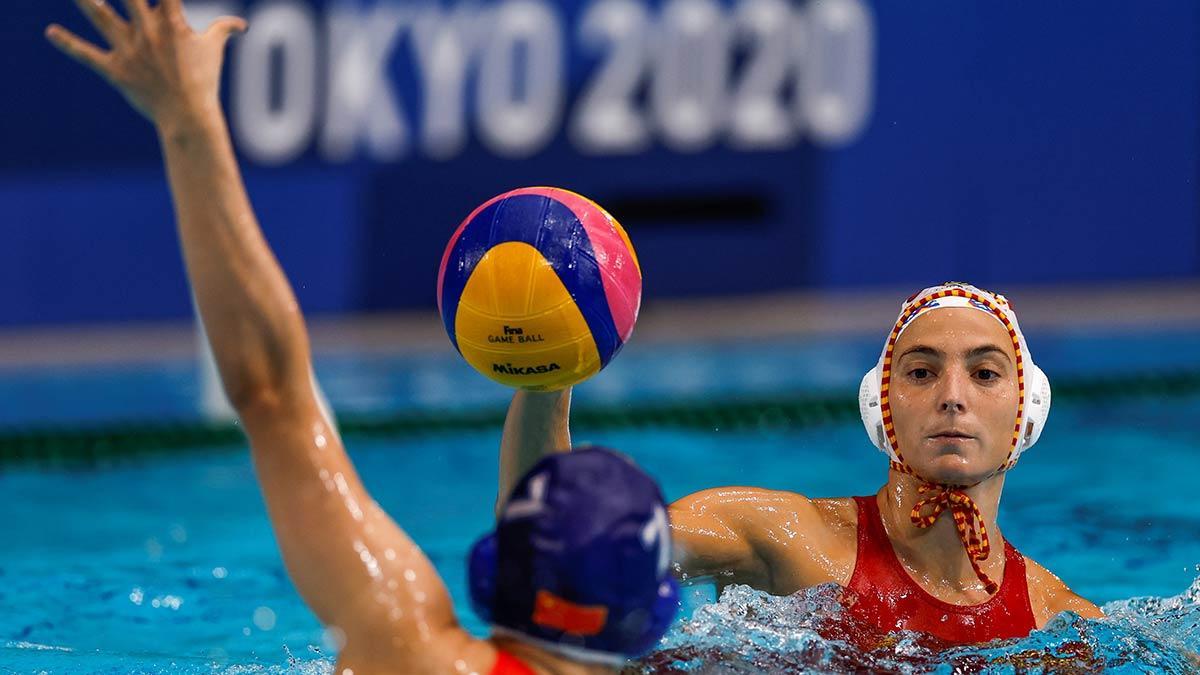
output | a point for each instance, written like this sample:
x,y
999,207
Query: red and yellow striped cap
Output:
x,y
955,294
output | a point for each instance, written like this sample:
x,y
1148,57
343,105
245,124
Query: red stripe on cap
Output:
x,y
551,611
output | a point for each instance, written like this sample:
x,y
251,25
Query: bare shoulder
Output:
x,y
739,534
752,505
775,540
839,515
1048,595
772,515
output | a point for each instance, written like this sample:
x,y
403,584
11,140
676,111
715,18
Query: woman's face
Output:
x,y
953,395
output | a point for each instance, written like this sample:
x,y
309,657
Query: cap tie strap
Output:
x,y
967,520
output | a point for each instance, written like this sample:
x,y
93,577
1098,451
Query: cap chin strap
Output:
x,y
968,520
1032,409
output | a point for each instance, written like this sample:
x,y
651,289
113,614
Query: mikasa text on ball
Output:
x,y
539,288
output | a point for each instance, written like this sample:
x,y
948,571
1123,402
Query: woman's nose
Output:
x,y
953,391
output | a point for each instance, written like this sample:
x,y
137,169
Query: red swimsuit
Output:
x,y
507,664
887,597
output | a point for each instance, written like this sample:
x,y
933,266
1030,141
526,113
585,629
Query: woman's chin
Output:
x,y
954,469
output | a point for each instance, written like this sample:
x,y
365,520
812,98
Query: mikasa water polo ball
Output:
x,y
539,288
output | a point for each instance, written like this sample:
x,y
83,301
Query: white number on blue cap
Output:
x,y
532,505
656,533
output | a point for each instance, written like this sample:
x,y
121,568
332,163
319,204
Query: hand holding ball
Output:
x,y
539,288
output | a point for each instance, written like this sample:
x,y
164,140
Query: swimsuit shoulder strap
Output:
x,y
873,558
1014,590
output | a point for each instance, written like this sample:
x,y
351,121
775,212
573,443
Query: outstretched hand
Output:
x,y
163,67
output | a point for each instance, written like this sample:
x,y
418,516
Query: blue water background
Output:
x,y
442,381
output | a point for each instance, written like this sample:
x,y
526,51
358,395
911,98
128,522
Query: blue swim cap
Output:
x,y
579,562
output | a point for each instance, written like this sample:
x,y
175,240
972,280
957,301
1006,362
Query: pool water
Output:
x,y
372,383
169,565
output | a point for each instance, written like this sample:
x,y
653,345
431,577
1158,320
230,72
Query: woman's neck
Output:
x,y
935,554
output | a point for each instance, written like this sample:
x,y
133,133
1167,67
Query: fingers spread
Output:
x,y
77,48
104,18
138,10
173,8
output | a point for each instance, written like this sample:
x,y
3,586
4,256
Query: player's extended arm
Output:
x,y
712,533
769,539
536,425
354,567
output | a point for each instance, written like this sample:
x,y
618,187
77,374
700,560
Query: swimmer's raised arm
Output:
x,y
536,425
354,567
171,76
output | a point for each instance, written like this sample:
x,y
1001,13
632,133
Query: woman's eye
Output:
x,y
919,373
988,375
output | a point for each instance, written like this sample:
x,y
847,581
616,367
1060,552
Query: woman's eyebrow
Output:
x,y
922,349
986,349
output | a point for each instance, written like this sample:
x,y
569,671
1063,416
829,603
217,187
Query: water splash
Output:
x,y
1176,619
748,631
294,668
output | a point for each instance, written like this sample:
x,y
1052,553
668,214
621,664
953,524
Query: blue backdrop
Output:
x,y
746,145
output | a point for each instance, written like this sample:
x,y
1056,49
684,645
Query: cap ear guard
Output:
x,y
481,576
662,614
871,412
1037,408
